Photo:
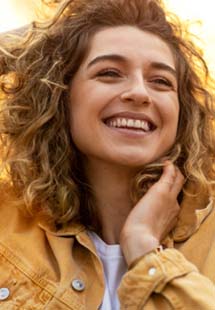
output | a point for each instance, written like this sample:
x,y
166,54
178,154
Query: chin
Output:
x,y
132,163
138,163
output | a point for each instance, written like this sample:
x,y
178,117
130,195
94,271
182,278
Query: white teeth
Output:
x,y
118,122
145,126
129,123
138,124
114,123
124,122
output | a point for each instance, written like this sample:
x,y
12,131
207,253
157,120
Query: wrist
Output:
x,y
135,247
156,250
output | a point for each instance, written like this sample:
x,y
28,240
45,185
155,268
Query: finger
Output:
x,y
178,182
168,176
174,218
174,223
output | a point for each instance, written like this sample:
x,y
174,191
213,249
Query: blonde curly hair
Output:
x,y
38,156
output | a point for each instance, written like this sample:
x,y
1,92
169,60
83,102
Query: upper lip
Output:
x,y
131,115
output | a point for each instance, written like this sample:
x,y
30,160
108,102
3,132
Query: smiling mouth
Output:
x,y
130,124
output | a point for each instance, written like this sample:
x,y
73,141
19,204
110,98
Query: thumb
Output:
x,y
168,176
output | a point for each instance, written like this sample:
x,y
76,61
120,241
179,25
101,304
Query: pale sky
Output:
x,y
196,10
16,13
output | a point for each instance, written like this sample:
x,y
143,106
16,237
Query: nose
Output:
x,y
136,92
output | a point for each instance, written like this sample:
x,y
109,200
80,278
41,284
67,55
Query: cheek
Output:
x,y
82,122
173,126
170,118
77,123
176,116
78,133
170,111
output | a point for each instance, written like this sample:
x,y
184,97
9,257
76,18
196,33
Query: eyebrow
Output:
x,y
122,59
113,57
165,67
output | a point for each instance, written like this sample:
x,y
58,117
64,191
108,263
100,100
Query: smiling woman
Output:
x,y
109,73
107,147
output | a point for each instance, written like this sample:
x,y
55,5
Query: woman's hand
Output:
x,y
153,217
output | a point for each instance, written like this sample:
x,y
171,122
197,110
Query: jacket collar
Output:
x,y
195,208
69,230
76,230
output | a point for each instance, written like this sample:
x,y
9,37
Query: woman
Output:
x,y
107,163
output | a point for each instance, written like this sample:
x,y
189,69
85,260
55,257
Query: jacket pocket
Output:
x,y
18,291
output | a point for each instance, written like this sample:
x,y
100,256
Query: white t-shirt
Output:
x,y
114,268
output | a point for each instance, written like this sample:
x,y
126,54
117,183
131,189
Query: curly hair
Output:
x,y
38,156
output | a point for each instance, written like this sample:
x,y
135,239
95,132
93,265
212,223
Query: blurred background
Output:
x,y
16,13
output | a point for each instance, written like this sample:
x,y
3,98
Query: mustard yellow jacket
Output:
x,y
45,269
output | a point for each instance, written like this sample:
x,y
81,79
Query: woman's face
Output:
x,y
124,104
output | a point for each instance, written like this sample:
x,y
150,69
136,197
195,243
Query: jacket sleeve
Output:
x,y
165,280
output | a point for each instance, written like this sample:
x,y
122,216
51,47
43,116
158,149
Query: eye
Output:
x,y
162,81
109,73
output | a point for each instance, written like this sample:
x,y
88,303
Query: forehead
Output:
x,y
131,42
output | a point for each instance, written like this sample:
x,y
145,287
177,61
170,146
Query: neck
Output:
x,y
111,187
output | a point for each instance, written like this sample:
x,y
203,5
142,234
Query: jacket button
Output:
x,y
4,293
152,271
78,285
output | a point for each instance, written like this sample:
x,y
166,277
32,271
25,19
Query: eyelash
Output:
x,y
113,73
108,73
162,81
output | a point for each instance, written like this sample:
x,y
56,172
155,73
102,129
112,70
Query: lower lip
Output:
x,y
130,132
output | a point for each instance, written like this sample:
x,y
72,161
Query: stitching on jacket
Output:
x,y
28,272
